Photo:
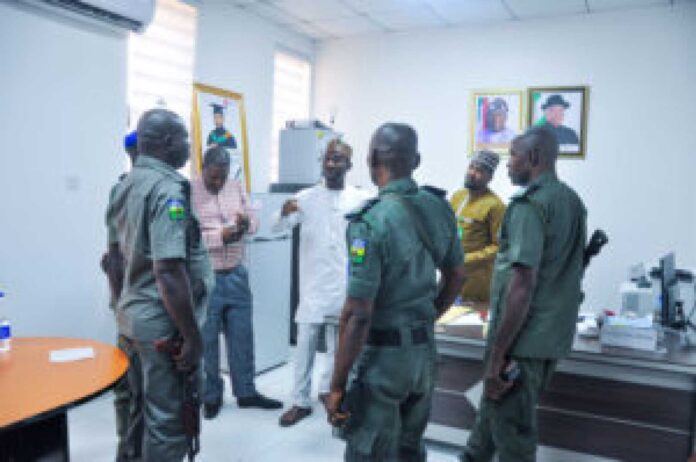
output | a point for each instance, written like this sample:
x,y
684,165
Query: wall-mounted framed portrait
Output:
x,y
496,117
563,110
218,118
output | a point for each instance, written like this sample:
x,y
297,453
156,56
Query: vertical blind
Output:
x,y
291,98
160,62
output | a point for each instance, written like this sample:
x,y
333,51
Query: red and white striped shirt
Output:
x,y
216,211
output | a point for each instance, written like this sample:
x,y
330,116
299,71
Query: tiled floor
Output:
x,y
247,435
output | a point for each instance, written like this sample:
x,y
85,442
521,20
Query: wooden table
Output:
x,y
35,393
613,402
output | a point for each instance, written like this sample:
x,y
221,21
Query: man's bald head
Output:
x,y
162,134
532,154
394,148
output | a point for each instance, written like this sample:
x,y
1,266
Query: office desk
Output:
x,y
35,394
619,403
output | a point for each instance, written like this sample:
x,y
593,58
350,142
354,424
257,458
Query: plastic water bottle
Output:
x,y
5,330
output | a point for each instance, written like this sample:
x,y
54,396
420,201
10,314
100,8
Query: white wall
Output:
x,y
641,66
235,51
62,116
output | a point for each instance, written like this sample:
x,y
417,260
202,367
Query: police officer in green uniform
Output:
x,y
166,280
396,243
535,297
127,406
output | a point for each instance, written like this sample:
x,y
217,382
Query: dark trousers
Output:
x,y
391,396
229,312
155,379
128,407
509,427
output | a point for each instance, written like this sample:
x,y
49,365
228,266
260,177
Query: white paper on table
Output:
x,y
645,322
473,394
469,319
70,354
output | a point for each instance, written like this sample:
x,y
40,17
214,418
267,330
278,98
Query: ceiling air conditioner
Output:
x,y
133,15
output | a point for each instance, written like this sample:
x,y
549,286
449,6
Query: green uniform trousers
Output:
x,y
509,426
162,390
128,405
389,400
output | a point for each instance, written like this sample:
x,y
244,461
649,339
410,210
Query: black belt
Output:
x,y
392,337
225,272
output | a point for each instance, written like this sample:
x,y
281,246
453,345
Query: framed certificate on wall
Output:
x,y
218,119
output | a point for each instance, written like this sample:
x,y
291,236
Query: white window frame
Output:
x,y
161,62
277,125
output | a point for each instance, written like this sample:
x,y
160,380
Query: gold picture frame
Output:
x,y
231,134
491,113
568,108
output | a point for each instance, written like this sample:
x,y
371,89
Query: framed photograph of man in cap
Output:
x,y
563,110
496,117
218,119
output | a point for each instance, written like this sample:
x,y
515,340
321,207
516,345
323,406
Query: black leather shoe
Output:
x,y
260,402
294,415
211,410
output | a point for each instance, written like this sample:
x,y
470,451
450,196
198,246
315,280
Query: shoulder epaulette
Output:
x,y
524,195
360,211
436,191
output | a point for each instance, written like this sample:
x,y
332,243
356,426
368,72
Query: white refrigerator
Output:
x,y
269,260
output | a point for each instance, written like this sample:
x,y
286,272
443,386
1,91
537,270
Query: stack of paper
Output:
x,y
453,313
637,333
71,354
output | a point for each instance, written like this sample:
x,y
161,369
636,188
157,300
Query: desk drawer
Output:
x,y
656,406
624,441
453,410
458,374
603,437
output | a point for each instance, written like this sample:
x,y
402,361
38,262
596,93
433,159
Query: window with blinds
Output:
x,y
292,83
160,62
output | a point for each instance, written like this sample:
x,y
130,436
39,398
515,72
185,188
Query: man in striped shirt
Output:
x,y
225,216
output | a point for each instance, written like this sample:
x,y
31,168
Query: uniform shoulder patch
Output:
x,y
357,251
176,209
358,212
436,191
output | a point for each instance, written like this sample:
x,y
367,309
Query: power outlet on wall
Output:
x,y
72,183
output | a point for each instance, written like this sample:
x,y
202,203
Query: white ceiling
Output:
x,y
330,19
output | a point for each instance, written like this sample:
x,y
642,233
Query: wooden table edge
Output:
x,y
63,408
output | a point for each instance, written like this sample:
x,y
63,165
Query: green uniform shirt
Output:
x,y
388,262
544,228
111,233
153,221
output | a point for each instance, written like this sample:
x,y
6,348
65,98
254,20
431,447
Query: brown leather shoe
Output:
x,y
294,415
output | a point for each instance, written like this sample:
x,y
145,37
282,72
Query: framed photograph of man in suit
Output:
x,y
496,117
563,110
218,119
